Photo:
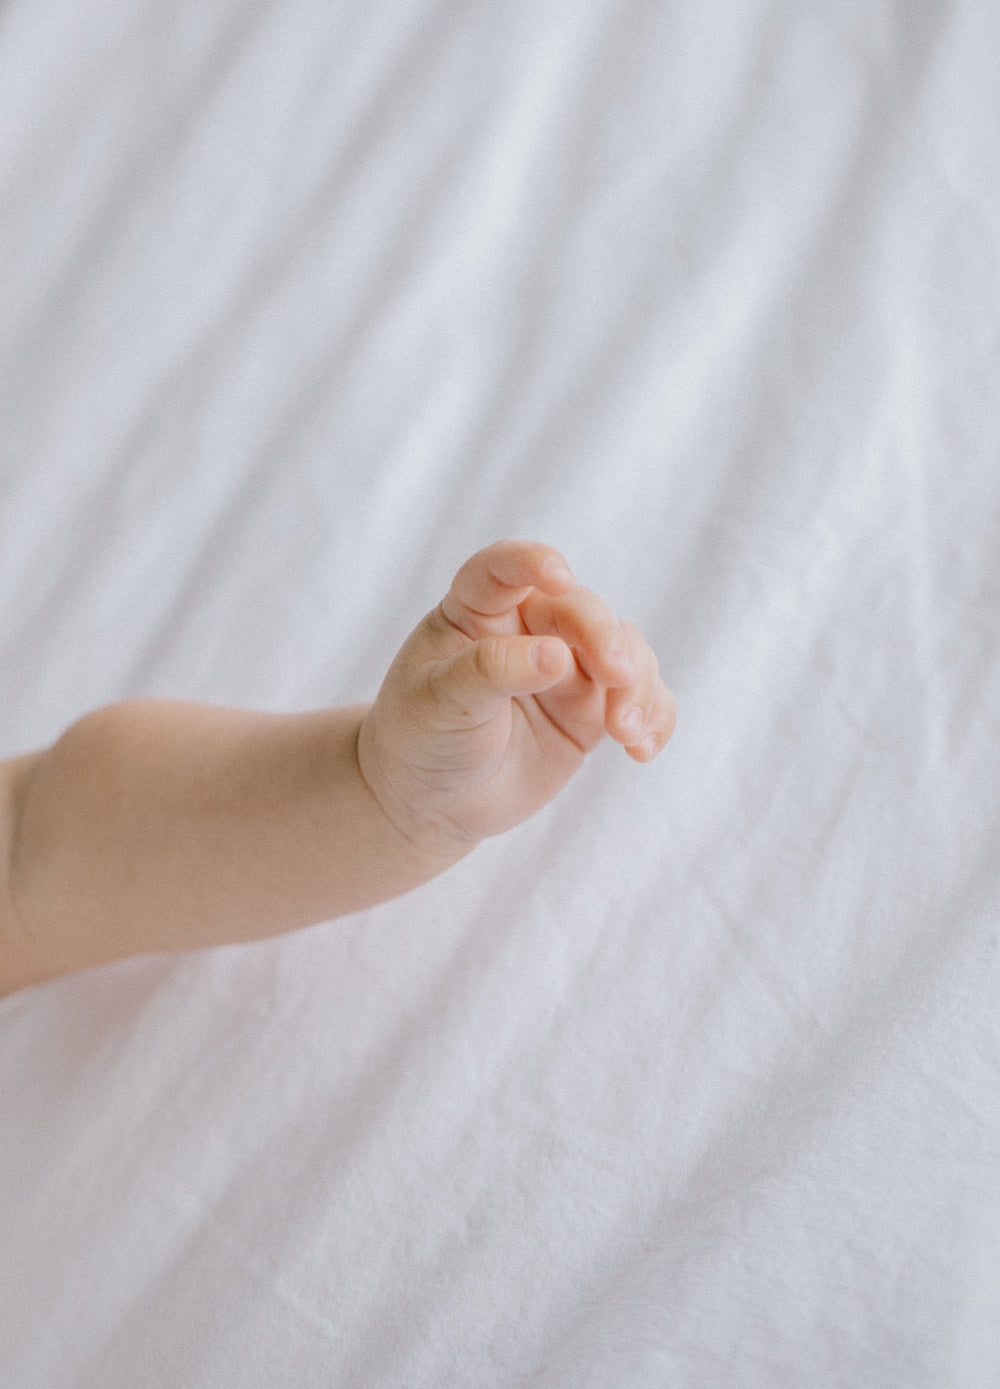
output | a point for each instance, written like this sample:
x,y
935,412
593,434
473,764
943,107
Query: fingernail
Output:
x,y
557,569
623,661
650,746
632,722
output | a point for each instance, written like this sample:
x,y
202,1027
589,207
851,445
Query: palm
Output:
x,y
485,775
530,747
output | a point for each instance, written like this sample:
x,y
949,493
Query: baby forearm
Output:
x,y
164,826
158,826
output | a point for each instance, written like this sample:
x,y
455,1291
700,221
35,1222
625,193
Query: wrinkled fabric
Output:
x,y
695,1078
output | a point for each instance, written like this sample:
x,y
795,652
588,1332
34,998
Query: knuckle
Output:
x,y
484,658
492,660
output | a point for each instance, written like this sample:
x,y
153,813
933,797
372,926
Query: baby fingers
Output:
x,y
496,580
471,686
601,641
642,715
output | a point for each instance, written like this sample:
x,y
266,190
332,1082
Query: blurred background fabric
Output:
x,y
693,1080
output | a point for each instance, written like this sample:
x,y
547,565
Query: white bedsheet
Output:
x,y
695,1079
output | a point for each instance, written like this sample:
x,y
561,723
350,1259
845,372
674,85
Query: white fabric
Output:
x,y
695,1079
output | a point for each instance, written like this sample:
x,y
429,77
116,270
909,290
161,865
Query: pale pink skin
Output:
x,y
479,723
161,826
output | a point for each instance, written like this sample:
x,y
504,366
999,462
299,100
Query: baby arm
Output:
x,y
153,826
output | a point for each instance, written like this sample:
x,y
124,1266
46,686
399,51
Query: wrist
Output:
x,y
429,833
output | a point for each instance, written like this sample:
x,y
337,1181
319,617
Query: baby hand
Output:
x,y
496,698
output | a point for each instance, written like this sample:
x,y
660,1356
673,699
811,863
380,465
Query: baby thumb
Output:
x,y
488,672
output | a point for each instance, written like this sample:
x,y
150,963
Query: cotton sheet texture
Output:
x,y
695,1079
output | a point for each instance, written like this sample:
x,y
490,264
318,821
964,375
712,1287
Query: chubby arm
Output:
x,y
162,826
158,826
